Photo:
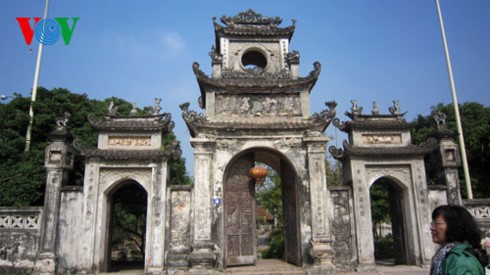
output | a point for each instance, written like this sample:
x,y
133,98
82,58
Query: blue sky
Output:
x,y
370,50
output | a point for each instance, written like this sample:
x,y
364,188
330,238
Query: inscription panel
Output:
x,y
129,141
382,138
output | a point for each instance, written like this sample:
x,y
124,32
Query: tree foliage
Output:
x,y
475,120
22,175
269,196
129,218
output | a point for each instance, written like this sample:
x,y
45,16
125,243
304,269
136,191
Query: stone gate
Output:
x,y
256,109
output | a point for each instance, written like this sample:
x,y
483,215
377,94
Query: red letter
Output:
x,y
27,31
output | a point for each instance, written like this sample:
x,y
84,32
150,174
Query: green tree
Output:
x,y
334,172
475,120
269,196
22,175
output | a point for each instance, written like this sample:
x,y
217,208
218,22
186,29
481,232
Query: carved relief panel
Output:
x,y
259,105
382,138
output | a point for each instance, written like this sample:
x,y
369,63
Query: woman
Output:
x,y
455,230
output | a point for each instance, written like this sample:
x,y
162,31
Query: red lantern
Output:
x,y
258,173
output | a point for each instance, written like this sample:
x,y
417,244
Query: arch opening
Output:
x,y
275,228
127,227
388,220
253,60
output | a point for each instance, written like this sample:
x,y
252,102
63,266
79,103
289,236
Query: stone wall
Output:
x,y
342,227
178,226
20,229
70,222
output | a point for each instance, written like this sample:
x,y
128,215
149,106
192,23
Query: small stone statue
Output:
x,y
62,121
112,110
395,110
156,107
356,110
375,110
133,111
440,119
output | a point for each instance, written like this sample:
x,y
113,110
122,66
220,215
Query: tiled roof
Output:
x,y
147,123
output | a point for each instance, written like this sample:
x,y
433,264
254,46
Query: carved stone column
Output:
x,y
321,243
202,255
58,162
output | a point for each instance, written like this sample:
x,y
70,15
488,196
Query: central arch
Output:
x,y
239,207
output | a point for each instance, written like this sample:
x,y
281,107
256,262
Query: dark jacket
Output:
x,y
460,260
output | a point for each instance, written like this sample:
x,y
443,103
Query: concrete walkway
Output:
x,y
278,267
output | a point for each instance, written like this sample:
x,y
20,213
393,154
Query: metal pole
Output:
x,y
456,109
34,87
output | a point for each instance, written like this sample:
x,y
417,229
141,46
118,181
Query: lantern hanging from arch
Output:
x,y
258,173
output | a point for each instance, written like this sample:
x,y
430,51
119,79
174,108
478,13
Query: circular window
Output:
x,y
254,60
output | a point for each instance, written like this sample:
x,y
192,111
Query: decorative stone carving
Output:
x,y
156,107
61,122
250,16
191,116
257,105
356,110
20,220
216,57
112,175
129,141
341,228
375,110
395,109
325,116
337,153
440,119
112,110
293,57
382,138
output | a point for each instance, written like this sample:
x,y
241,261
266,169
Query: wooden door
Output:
x,y
239,218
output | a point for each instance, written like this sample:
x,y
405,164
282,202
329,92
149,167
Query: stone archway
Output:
x,y
126,229
396,245
239,208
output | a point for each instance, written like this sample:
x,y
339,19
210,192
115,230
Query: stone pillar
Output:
x,y
58,162
448,161
321,243
202,255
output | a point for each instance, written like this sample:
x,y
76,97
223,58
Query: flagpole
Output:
x,y
456,108
34,87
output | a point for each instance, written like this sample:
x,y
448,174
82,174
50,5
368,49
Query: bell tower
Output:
x,y
251,58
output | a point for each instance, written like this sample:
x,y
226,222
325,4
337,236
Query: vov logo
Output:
x,y
47,31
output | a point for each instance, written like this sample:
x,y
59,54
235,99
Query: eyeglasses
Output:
x,y
434,223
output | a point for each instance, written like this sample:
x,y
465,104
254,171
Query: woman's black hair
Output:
x,y
461,227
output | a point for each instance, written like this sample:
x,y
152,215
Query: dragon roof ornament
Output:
x,y
250,17
250,22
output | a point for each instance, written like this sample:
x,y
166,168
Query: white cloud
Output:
x,y
147,45
173,44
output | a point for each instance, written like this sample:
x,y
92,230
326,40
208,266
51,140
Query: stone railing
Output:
x,y
479,208
25,218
